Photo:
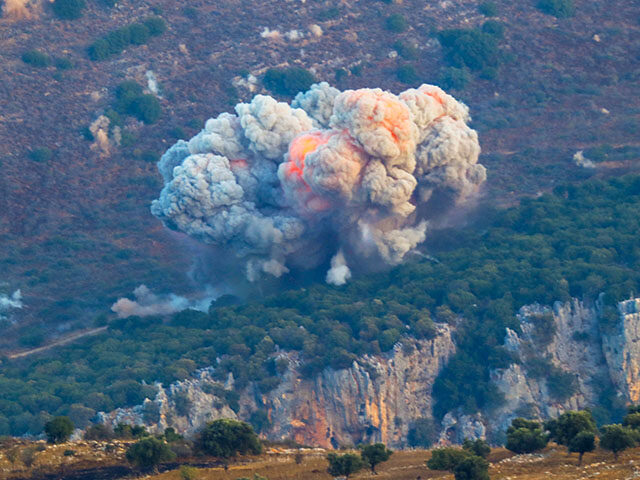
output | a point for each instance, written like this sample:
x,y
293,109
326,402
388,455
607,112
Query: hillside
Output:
x,y
75,227
279,464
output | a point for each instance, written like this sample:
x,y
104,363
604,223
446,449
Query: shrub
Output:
x,y
557,8
396,23
406,50
155,25
138,34
149,452
146,108
407,74
477,447
98,432
422,433
68,9
446,458
525,436
225,438
62,63
488,9
472,468
493,28
188,472
288,81
36,58
453,78
59,429
471,48
344,465
562,385
40,155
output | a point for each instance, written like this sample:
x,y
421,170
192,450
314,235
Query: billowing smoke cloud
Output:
x,y
19,9
351,176
148,303
9,302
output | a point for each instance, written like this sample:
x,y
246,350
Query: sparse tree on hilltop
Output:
x,y
59,429
375,454
147,453
344,465
617,438
583,442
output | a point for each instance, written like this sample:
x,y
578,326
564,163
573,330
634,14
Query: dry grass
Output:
x,y
552,464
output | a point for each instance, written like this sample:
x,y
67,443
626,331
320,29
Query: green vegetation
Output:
x,y
557,8
422,433
464,464
575,242
41,155
117,40
453,78
344,465
582,443
478,447
617,438
375,454
68,9
288,81
575,429
396,23
226,438
407,74
408,51
488,9
145,107
58,429
36,58
472,48
525,436
147,453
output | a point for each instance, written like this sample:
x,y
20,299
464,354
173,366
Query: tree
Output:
x,y
375,454
477,447
568,425
557,8
584,441
525,436
68,9
344,464
446,458
472,467
632,420
616,438
422,433
147,453
226,438
59,429
288,81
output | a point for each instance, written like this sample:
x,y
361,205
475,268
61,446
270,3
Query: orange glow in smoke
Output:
x,y
433,93
238,163
299,149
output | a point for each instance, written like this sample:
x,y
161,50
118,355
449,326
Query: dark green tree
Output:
x,y
147,453
344,465
58,429
616,438
477,447
472,467
584,441
225,438
68,9
446,458
632,420
422,433
525,436
375,454
567,426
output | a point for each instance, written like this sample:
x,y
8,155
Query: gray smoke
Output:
x,y
147,303
342,175
9,302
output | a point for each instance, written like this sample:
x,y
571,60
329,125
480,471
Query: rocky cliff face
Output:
x,y
563,360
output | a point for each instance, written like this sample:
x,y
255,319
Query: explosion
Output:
x,y
349,176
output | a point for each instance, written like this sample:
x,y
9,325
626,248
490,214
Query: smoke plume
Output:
x,y
351,176
18,9
148,303
9,302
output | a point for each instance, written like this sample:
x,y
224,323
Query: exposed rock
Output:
x,y
378,397
622,351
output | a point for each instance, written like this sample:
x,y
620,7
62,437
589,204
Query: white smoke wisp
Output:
x,y
147,303
10,302
18,9
339,273
352,175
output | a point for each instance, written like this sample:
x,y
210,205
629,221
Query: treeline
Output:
x,y
575,242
